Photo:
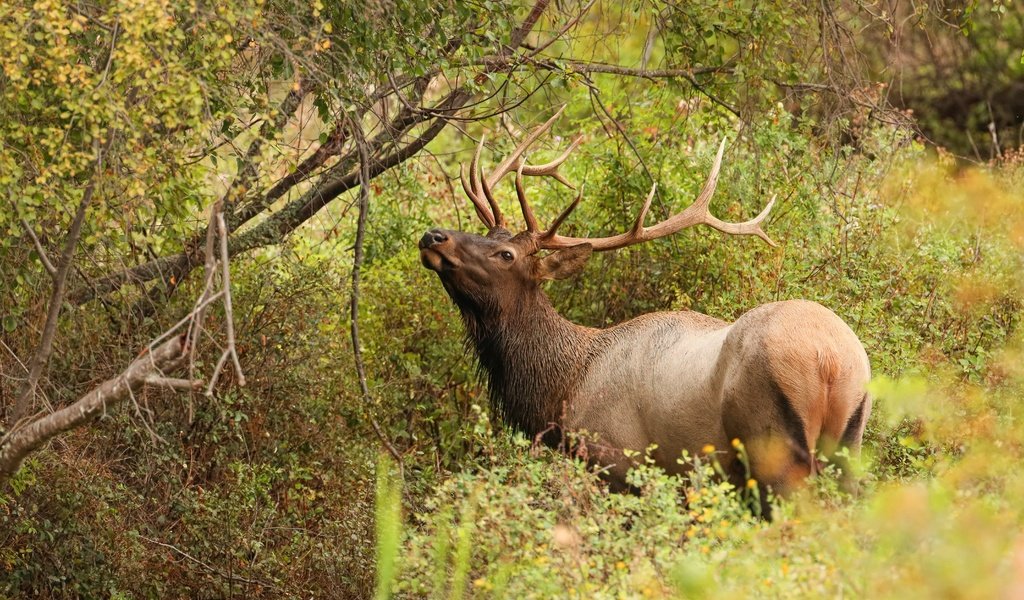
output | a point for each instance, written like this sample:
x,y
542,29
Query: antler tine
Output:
x,y
550,169
638,225
751,227
512,160
704,198
695,214
481,210
552,232
480,186
474,170
499,219
698,213
531,221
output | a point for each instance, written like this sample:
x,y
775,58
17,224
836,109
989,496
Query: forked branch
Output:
x,y
166,353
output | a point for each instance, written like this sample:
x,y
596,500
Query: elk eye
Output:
x,y
505,254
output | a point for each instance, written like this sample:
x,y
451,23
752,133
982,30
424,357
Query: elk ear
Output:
x,y
563,263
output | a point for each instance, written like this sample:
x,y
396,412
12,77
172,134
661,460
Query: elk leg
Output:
x,y
773,435
851,441
613,465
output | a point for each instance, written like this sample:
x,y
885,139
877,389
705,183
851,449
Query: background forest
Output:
x,y
223,371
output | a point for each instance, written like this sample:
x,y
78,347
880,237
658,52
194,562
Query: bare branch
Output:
x,y
199,310
172,383
357,263
216,372
688,74
229,315
229,326
20,442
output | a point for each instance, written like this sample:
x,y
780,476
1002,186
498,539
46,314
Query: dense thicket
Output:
x,y
125,125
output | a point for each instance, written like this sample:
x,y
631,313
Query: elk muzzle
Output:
x,y
433,237
435,248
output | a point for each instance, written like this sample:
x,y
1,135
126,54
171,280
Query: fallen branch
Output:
x,y
169,351
22,441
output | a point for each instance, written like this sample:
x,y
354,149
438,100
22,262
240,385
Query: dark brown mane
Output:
x,y
532,358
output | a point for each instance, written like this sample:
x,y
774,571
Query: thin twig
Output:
x,y
208,568
110,56
565,28
184,320
43,258
153,436
357,263
216,372
595,94
14,355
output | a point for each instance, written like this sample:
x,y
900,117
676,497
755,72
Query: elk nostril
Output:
x,y
432,237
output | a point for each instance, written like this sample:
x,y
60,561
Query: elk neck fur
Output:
x,y
532,357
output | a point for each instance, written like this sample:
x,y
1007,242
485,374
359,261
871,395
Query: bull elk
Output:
x,y
787,378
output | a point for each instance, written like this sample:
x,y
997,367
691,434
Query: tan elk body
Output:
x,y
787,378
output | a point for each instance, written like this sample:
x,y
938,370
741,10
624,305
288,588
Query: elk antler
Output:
x,y
479,187
695,214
